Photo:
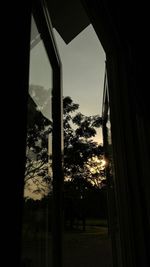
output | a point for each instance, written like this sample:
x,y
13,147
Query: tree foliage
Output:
x,y
37,176
81,153
79,146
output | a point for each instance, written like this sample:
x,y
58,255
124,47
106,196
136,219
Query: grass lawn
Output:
x,y
90,248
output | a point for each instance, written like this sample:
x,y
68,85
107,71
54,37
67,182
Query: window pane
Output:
x,y
38,172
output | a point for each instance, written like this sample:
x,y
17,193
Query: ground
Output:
x,y
91,248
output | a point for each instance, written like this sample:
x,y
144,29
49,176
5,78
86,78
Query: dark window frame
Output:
x,y
43,22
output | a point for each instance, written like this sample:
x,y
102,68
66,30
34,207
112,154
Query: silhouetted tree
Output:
x,y
37,177
82,155
81,152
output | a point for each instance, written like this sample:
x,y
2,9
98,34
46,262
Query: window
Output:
x,y
43,172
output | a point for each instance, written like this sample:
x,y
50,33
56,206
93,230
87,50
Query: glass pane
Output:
x,y
85,240
36,245
113,220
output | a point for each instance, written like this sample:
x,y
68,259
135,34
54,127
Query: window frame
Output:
x,y
43,22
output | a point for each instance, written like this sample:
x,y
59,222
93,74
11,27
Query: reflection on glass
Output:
x,y
110,166
113,220
36,247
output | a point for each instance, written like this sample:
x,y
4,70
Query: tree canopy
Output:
x,y
83,157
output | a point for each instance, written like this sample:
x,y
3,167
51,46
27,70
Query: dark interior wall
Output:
x,y
127,164
15,40
123,31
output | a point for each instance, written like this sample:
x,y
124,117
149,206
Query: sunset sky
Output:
x,y
83,65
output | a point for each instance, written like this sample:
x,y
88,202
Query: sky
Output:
x,y
83,66
83,61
